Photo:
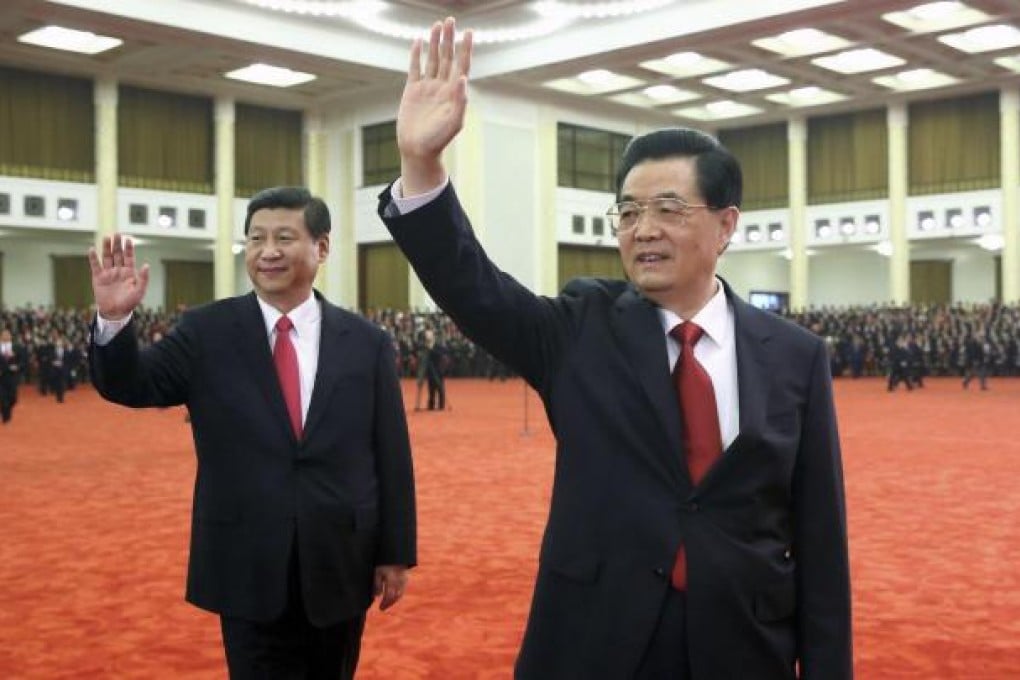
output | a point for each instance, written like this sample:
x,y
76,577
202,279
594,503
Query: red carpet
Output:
x,y
95,503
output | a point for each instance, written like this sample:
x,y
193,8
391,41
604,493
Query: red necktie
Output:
x,y
702,440
285,359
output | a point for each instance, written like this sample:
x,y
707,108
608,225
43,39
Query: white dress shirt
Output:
x,y
716,351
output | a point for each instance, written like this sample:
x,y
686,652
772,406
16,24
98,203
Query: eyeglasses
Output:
x,y
624,216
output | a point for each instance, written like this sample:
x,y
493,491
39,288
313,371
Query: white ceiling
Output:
x,y
186,45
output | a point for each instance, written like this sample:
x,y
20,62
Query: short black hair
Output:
x,y
316,212
718,171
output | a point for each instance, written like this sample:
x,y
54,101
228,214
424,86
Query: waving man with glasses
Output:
x,y
697,527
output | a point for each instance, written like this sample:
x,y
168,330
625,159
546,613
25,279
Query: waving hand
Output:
x,y
432,106
117,285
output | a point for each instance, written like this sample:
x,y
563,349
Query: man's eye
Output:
x,y
628,213
670,207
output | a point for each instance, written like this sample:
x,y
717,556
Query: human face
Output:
x,y
673,263
282,257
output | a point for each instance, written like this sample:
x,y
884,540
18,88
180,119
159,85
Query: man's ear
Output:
x,y
728,219
322,247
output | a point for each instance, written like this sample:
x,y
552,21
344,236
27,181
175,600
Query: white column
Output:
x,y
899,261
224,274
1009,106
105,98
797,145
547,255
315,172
342,274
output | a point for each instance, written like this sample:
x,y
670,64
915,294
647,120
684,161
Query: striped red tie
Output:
x,y
702,439
285,359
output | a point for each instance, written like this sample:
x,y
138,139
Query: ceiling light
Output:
x,y
884,248
936,16
983,38
69,39
346,9
753,233
685,65
1011,62
801,42
858,61
991,242
810,95
596,81
954,218
823,229
872,224
656,95
847,226
717,110
596,10
926,220
746,80
915,79
776,232
264,74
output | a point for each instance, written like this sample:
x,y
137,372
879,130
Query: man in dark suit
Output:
x,y
304,498
651,566
10,375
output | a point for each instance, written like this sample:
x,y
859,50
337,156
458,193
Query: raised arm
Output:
x,y
432,107
117,285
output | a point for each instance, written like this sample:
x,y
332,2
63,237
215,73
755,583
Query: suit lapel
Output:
x,y
253,344
639,331
753,361
333,328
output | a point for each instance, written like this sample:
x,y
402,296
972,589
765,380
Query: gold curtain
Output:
x,y
931,281
848,157
267,149
575,261
380,157
187,283
3,303
72,282
46,126
165,141
382,277
763,153
954,145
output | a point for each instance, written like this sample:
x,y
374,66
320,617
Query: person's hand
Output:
x,y
432,107
118,287
390,581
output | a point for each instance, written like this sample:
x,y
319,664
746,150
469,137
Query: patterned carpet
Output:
x,y
95,504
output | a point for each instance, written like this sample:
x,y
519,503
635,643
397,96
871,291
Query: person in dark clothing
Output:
x,y
435,357
975,361
899,364
10,375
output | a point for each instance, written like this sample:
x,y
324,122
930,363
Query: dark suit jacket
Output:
x,y
345,493
768,577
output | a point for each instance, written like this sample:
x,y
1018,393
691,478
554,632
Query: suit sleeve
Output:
x,y
397,544
521,329
820,548
158,375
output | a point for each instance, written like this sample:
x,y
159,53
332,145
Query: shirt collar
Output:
x,y
712,317
304,315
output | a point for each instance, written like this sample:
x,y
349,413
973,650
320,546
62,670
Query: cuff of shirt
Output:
x,y
406,204
107,329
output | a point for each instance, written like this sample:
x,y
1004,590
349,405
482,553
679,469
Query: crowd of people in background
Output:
x,y
906,344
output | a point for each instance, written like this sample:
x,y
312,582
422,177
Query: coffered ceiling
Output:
x,y
188,45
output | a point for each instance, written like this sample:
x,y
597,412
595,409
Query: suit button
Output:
x,y
660,572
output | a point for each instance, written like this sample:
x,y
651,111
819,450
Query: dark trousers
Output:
x,y
290,647
666,656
